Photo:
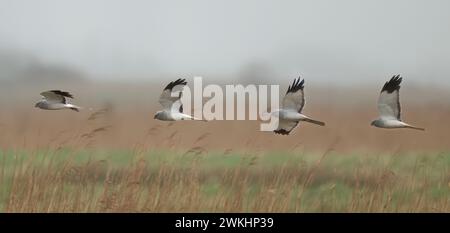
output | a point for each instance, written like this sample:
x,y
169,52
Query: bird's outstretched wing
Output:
x,y
285,127
170,102
294,98
56,96
389,100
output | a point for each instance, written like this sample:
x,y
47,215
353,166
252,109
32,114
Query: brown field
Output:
x,y
347,112
122,160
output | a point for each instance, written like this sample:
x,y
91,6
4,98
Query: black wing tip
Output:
x,y
177,82
282,132
298,84
393,84
62,93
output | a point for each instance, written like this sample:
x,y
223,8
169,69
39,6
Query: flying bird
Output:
x,y
291,113
171,103
389,106
56,100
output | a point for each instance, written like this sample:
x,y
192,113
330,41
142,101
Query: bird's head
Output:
x,y
374,123
157,115
37,104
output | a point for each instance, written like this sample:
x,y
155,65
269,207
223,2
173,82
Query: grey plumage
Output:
x,y
291,113
172,106
56,100
389,106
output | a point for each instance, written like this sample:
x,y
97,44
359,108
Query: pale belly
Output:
x,y
291,116
167,116
53,106
392,124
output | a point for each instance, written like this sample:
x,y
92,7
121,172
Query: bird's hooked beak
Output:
x,y
36,105
154,117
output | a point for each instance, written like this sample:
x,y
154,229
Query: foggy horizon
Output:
x,y
346,42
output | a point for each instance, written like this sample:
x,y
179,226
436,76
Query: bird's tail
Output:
x,y
74,107
413,127
193,118
314,121
196,119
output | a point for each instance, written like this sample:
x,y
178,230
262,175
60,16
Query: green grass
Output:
x,y
193,181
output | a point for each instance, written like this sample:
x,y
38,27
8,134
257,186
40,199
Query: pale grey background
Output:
x,y
347,41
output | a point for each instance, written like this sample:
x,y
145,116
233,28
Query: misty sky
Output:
x,y
350,40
